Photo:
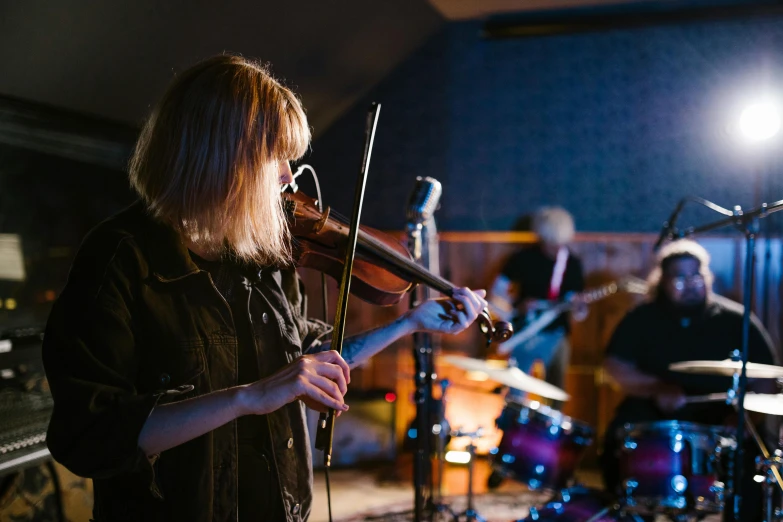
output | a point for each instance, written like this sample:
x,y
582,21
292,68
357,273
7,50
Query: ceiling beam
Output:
x,y
622,17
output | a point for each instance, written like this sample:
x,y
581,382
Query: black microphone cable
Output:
x,y
324,290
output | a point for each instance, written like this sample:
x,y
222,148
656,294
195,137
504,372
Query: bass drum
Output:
x,y
578,504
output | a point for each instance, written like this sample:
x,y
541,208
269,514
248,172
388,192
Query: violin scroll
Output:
x,y
498,331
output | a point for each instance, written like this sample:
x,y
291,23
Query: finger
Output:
x,y
471,306
332,372
335,358
477,296
315,405
325,391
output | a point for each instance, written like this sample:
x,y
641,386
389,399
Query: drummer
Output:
x,y
684,321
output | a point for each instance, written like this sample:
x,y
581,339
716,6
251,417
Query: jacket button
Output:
x,y
164,379
265,317
290,443
295,509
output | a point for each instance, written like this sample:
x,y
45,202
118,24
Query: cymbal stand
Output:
x,y
470,513
769,465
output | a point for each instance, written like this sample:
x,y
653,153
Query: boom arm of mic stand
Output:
x,y
325,433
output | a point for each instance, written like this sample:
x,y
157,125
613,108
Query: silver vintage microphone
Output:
x,y
421,230
424,200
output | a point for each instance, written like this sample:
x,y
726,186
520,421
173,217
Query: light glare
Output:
x,y
760,121
458,457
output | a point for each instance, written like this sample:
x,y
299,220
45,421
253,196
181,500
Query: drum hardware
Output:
x,y
470,513
771,404
580,504
769,469
769,465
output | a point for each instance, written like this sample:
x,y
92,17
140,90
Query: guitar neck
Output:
x,y
596,294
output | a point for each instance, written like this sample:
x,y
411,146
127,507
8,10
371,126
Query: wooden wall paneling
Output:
x,y
580,383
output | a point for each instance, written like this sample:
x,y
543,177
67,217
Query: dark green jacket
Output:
x,y
139,324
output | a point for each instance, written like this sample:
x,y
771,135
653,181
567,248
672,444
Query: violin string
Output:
x,y
403,263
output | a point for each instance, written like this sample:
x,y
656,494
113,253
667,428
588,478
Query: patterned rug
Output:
x,y
504,507
494,507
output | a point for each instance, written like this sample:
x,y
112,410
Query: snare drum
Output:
x,y
540,446
671,466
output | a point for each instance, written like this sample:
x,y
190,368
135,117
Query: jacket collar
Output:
x,y
168,256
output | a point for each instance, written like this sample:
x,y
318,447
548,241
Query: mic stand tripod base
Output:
x,y
470,513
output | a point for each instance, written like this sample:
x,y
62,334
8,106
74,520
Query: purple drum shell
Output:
x,y
657,454
540,447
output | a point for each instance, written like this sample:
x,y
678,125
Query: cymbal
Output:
x,y
771,404
728,368
499,372
475,365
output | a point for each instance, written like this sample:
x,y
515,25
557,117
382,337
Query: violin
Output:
x,y
383,271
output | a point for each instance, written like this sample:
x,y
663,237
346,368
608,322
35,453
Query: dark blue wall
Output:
x,y
615,126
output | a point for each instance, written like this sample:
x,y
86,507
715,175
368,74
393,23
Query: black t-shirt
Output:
x,y
652,336
531,270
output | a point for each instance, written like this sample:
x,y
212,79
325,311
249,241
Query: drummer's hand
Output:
x,y
449,315
669,398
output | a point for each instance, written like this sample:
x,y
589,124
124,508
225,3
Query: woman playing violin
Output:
x,y
179,354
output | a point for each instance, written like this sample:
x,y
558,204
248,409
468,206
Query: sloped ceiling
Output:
x,y
113,59
470,9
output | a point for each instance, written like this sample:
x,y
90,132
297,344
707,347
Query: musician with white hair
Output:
x,y
532,280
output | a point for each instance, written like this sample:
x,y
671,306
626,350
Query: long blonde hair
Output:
x,y
208,158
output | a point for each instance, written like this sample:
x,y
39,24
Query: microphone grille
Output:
x,y
424,199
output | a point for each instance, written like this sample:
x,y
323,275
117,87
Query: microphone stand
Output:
x,y
325,433
748,223
419,244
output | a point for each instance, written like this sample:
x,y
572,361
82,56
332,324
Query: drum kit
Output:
x,y
674,469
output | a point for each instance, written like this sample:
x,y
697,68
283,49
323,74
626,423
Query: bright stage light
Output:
x,y
760,121
458,457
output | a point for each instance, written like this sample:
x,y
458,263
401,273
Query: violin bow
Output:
x,y
325,433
